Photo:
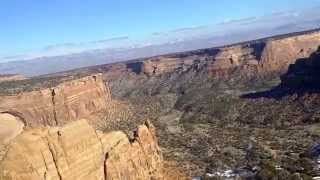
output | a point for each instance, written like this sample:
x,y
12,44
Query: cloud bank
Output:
x,y
186,38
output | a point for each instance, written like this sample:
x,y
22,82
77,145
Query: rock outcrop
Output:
x,y
161,65
280,53
264,57
76,151
81,98
10,127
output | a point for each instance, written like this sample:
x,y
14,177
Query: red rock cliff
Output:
x,y
81,98
263,57
78,152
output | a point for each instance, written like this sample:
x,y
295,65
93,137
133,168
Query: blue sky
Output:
x,y
37,25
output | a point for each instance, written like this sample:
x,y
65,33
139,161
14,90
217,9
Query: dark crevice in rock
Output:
x,y
154,70
55,161
135,67
105,166
53,94
95,78
258,49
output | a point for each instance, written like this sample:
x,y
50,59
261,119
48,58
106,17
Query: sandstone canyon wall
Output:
x,y
185,84
280,53
304,74
264,57
260,57
76,151
72,100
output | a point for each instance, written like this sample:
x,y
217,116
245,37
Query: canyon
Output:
x,y
210,105
43,137
262,57
250,108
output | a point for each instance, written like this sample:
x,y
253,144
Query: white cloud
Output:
x,y
224,32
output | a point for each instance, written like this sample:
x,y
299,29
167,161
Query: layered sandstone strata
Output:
x,y
161,65
278,54
81,98
77,152
260,57
264,57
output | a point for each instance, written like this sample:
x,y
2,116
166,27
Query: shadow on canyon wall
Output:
x,y
302,77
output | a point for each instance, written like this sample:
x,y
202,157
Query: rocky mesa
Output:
x,y
85,97
260,57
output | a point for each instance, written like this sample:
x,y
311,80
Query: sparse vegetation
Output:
x,y
34,83
217,125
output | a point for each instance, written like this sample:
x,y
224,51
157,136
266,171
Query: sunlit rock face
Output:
x,y
260,57
280,53
10,127
80,98
76,151
264,56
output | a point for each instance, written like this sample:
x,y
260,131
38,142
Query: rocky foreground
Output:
x,y
43,138
77,151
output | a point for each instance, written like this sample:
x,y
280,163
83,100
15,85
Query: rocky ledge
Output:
x,y
75,99
77,151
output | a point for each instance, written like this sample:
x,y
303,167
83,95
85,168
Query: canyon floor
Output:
x,y
211,127
256,126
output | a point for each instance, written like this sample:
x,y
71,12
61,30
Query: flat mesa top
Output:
x,y
35,83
